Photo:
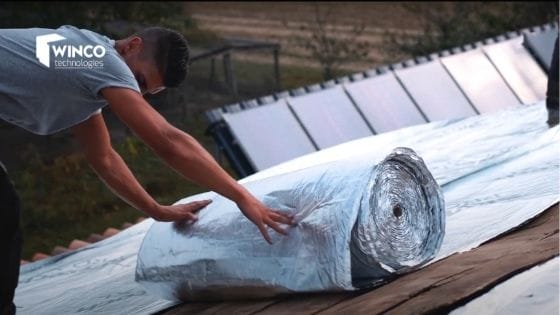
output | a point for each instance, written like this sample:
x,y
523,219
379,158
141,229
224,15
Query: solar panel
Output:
x,y
384,103
330,117
541,44
269,134
480,81
519,69
435,92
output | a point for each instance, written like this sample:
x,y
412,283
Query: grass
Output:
x,y
63,199
253,79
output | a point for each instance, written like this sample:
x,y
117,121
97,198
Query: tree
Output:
x,y
326,43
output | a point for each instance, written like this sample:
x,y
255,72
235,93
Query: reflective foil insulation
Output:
x,y
358,221
401,220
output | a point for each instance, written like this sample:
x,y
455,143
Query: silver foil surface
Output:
x,y
359,222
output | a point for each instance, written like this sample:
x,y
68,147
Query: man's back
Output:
x,y
50,79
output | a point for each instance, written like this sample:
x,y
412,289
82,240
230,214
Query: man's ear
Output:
x,y
133,46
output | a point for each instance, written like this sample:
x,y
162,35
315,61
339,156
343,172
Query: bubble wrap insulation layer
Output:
x,y
356,221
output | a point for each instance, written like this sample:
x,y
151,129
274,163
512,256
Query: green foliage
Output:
x,y
253,79
450,24
64,199
44,183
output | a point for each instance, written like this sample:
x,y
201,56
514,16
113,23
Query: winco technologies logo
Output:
x,y
68,56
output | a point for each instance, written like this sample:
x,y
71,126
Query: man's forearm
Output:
x,y
113,171
185,154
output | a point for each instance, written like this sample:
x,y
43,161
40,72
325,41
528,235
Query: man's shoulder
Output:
x,y
89,33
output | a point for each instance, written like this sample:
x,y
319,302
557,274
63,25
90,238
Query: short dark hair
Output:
x,y
170,51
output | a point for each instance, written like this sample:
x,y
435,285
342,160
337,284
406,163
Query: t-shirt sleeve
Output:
x,y
113,73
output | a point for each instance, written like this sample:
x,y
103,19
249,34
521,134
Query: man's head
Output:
x,y
158,58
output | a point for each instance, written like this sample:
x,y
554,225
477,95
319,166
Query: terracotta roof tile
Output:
x,y
39,256
110,232
126,225
59,250
94,237
75,244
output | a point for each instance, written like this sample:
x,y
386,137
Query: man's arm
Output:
x,y
110,167
184,154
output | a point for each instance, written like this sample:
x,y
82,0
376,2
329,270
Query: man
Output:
x,y
52,80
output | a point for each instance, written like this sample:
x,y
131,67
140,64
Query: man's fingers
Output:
x,y
282,218
202,203
275,227
264,232
191,217
196,206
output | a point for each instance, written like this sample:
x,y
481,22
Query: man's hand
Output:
x,y
261,215
180,212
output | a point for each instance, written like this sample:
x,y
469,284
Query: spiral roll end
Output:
x,y
401,222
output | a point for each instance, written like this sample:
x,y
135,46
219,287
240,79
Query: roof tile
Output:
x,y
94,237
59,250
110,232
39,256
76,244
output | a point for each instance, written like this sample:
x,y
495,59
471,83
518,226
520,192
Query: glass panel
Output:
x,y
480,81
330,117
519,69
434,91
269,134
384,103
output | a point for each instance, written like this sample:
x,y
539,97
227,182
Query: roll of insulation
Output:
x,y
360,222
401,221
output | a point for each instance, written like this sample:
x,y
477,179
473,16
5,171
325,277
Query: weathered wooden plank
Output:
x,y
438,287
237,307
306,303
453,281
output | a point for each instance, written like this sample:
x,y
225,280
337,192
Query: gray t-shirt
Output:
x,y
46,99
